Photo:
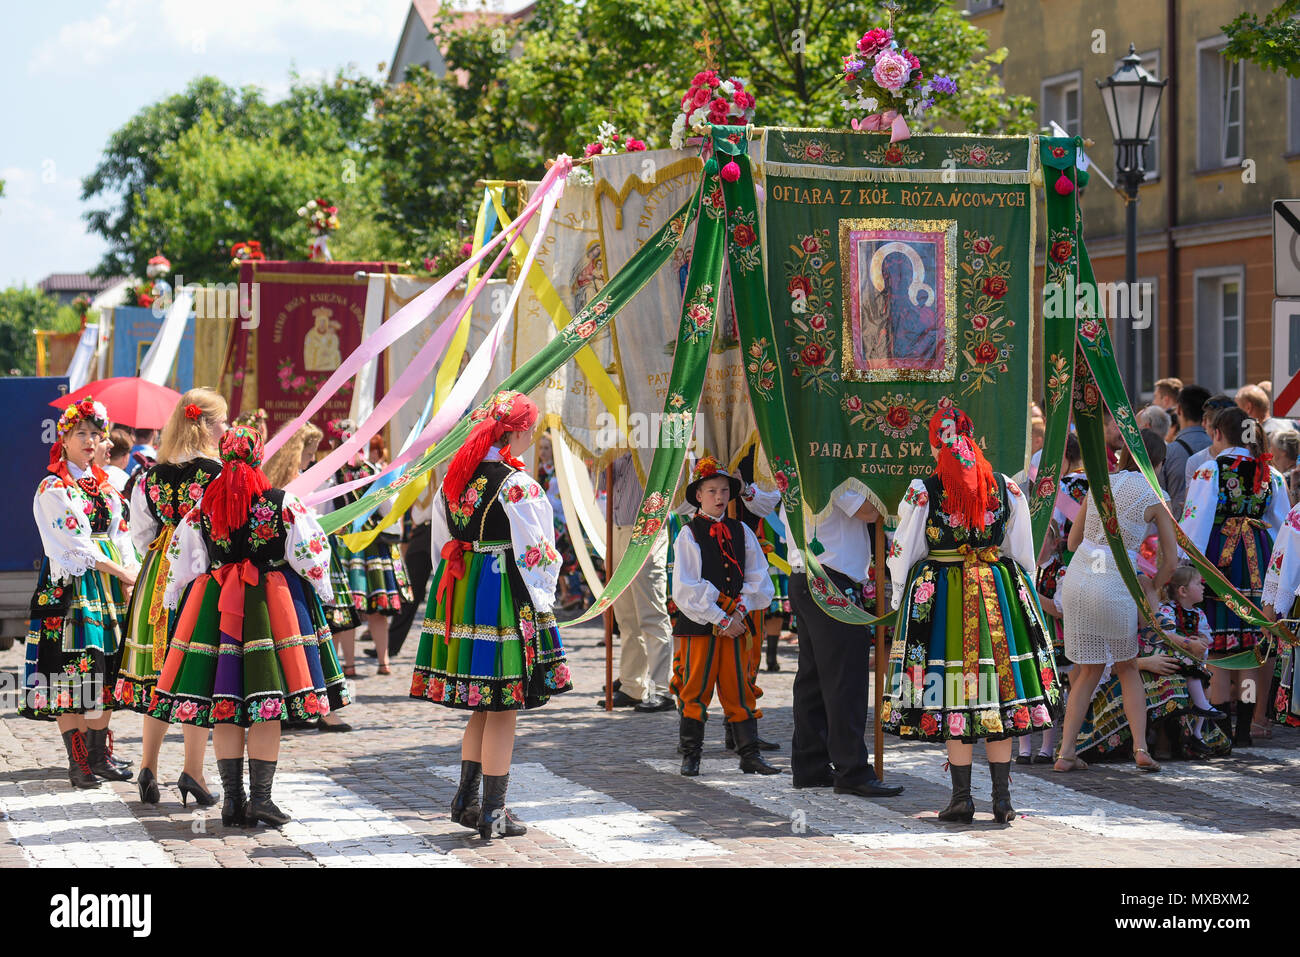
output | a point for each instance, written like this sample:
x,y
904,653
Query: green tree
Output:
x,y
23,310
1273,44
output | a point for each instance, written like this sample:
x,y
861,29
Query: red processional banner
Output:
x,y
306,318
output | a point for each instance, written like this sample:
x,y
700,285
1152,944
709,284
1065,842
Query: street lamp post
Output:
x,y
1132,99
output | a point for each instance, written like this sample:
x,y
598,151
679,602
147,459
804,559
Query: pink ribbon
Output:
x,y
888,120
402,322
467,384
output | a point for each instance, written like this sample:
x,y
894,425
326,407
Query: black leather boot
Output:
x,y
1224,723
1003,812
235,805
729,736
465,805
962,806
751,760
122,764
97,745
494,820
690,735
772,664
79,773
1245,714
261,807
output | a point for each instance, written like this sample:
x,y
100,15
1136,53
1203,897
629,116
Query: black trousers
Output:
x,y
419,568
831,696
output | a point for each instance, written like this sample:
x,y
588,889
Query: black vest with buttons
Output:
x,y
723,575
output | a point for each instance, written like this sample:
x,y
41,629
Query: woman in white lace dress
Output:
x,y
1100,617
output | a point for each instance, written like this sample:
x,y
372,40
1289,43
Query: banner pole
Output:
x,y
879,555
609,568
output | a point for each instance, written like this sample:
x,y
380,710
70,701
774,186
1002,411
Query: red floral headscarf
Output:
x,y
228,497
964,472
505,412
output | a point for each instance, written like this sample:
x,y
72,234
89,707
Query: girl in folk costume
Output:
x,y
972,657
160,498
489,643
1281,599
376,575
1236,504
251,645
719,573
74,644
1188,642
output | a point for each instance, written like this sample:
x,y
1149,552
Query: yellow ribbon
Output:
x,y
157,612
979,585
1235,532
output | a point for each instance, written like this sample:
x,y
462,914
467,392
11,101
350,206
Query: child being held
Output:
x,y
1190,642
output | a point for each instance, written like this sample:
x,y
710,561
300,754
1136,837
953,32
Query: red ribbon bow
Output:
x,y
232,579
721,534
453,553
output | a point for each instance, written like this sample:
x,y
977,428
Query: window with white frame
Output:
x,y
1060,102
1220,329
1220,113
1151,153
1145,300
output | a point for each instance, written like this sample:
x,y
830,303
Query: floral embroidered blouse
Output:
x,y
278,525
697,598
67,515
1282,583
1217,492
911,545
532,529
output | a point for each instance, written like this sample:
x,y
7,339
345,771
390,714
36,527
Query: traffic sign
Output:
x,y
1286,358
1286,247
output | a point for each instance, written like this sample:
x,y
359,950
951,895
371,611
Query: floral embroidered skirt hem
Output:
x,y
1245,569
500,654
341,613
275,661
138,675
1284,702
1106,728
971,659
73,652
376,576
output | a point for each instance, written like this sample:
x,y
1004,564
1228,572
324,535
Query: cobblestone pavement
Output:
x,y
601,789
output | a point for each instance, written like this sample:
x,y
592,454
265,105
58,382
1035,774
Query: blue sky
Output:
x,y
76,70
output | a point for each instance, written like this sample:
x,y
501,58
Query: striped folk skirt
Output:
x,y
74,641
273,662
148,629
376,577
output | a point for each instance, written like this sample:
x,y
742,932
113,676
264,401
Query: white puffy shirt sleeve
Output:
x,y
65,528
144,527
696,597
762,502
758,590
1279,504
1018,542
909,545
187,557
1282,582
438,530
1202,500
119,530
306,546
532,536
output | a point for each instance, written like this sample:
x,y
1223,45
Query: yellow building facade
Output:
x,y
1227,145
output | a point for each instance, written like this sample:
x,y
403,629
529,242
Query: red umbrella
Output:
x,y
130,401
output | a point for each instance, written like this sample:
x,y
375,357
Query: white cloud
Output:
x,y
41,230
82,43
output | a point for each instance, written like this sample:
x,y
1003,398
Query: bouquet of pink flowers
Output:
x,y
711,101
887,81
323,217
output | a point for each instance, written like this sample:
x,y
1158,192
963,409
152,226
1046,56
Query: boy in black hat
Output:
x,y
720,573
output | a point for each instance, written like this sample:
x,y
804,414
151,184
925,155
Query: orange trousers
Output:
x,y
702,662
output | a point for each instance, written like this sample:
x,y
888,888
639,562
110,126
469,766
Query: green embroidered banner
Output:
x,y
586,324
900,277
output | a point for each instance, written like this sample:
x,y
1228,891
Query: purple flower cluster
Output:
x,y
941,84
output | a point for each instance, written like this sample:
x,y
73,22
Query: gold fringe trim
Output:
x,y
848,485
874,174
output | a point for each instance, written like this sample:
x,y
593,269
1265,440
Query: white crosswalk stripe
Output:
x,y
866,823
61,827
591,822
1057,802
1250,785
341,829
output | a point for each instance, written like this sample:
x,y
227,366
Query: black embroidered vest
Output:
x,y
944,532
261,538
477,516
170,491
720,572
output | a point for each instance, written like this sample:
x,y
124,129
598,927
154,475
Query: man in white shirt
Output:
x,y
831,697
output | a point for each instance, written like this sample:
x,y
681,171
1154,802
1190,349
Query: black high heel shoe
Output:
x,y
188,786
148,785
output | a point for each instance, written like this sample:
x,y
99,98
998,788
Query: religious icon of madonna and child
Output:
x,y
899,299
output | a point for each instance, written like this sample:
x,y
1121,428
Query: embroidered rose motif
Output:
x,y
1021,718
223,710
995,286
956,725
1091,395
515,494
799,284
186,710
929,724
983,245
651,526
270,709
154,493
813,354
532,556
561,675
817,322
1040,714
744,235
474,699
893,155
1061,250
924,592
899,417
811,245
585,329
782,483
986,352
